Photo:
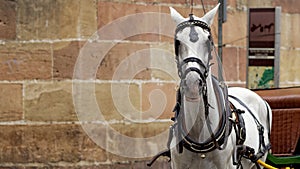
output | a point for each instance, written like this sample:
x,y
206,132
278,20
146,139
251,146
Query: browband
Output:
x,y
192,22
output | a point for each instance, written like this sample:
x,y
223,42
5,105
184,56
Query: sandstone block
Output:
x,y
288,6
125,61
289,25
234,35
11,104
295,22
257,3
231,4
59,166
158,100
60,20
25,61
118,101
109,12
64,58
289,69
141,130
184,2
87,18
127,139
242,64
49,102
163,62
8,20
230,63
185,10
161,164
285,28
46,144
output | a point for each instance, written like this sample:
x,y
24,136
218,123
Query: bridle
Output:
x,y
218,138
192,23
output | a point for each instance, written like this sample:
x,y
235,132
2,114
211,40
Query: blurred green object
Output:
x,y
267,76
284,161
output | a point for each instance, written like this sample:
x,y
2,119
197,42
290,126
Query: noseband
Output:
x,y
217,138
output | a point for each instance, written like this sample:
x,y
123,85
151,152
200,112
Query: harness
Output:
x,y
218,139
243,151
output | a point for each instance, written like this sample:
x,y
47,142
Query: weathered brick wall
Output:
x,y
40,42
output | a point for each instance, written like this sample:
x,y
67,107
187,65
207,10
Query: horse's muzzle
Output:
x,y
192,85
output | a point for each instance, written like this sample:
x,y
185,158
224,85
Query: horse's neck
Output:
x,y
196,121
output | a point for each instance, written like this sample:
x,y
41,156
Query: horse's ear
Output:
x,y
209,16
176,16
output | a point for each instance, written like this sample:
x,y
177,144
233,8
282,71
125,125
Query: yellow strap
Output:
x,y
265,165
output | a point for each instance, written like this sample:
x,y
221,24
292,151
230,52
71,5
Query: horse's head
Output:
x,y
193,44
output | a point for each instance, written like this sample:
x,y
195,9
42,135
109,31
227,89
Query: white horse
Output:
x,y
201,136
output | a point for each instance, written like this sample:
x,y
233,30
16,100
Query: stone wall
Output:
x,y
46,117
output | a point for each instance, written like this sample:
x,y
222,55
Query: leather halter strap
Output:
x,y
197,60
203,75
